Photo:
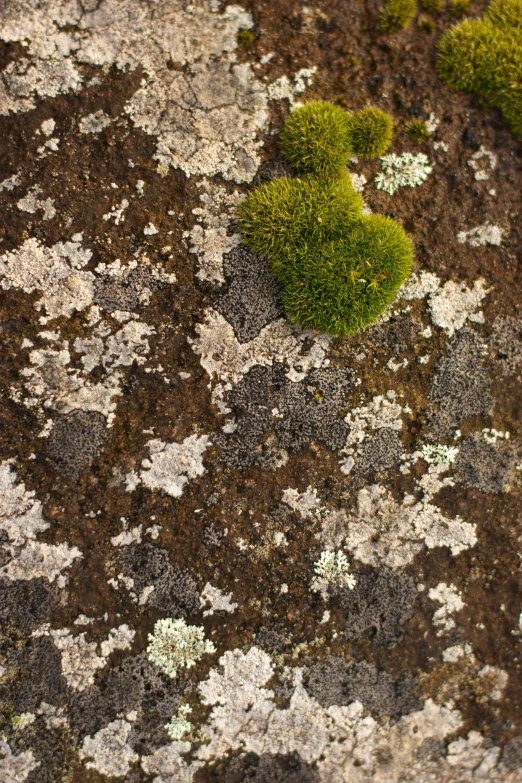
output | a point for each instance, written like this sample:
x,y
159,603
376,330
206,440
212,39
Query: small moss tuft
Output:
x,y
316,139
245,37
397,14
460,7
339,268
371,132
485,56
426,25
433,6
418,130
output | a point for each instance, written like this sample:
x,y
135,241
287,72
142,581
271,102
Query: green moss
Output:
x,y
397,14
339,268
460,7
245,37
426,25
344,285
277,217
433,6
316,139
371,132
417,130
485,56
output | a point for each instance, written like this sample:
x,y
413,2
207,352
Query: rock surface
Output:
x,y
340,519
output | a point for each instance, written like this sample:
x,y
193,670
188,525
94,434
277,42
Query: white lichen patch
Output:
x,y
401,171
486,234
94,123
31,203
15,768
21,515
168,765
206,116
216,600
381,413
419,285
51,383
38,559
304,503
109,750
54,717
483,162
55,271
80,658
227,359
346,743
21,520
451,602
384,532
171,465
209,237
175,645
455,303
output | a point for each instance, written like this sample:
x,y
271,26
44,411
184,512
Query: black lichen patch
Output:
x,y
378,454
76,439
135,685
25,605
512,753
506,342
267,768
175,591
485,466
124,292
253,298
297,413
379,606
336,681
38,677
461,386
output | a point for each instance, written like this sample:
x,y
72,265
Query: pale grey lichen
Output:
x,y
482,172
175,645
216,600
384,532
382,413
455,303
486,234
304,503
345,742
109,750
31,203
210,238
451,600
171,465
94,123
15,769
400,171
79,658
21,519
56,271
